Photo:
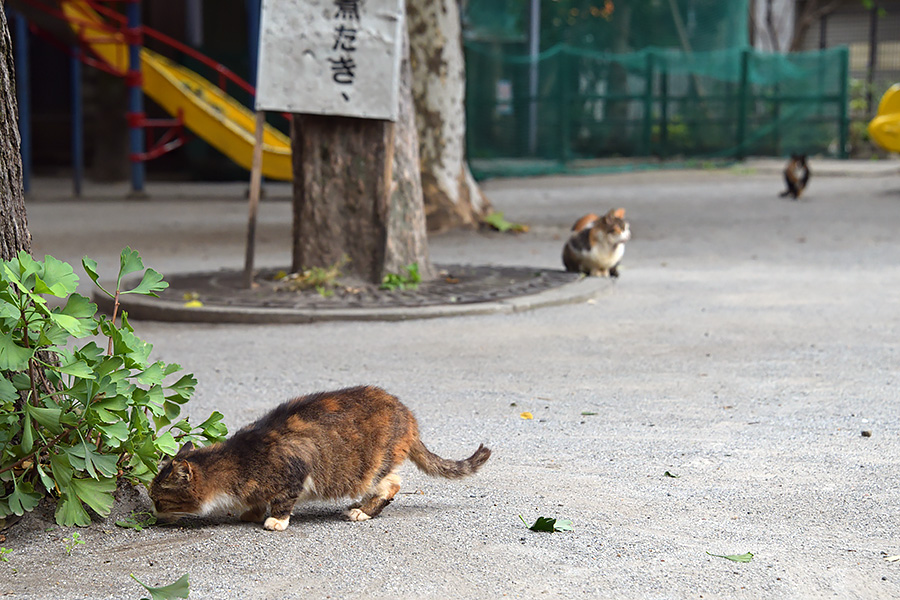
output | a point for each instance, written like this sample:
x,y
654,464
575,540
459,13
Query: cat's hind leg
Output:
x,y
254,514
371,505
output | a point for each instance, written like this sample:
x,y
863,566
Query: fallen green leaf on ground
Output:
x,y
668,474
587,413
742,558
179,589
496,221
549,525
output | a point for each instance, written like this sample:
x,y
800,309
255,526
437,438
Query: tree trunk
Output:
x,y
407,240
452,198
813,10
357,191
14,235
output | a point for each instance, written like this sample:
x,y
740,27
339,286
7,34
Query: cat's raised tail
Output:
x,y
432,464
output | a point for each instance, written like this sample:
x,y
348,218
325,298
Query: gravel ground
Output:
x,y
748,343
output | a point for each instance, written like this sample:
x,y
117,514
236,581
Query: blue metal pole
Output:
x,y
254,7
23,96
254,16
77,123
193,22
135,97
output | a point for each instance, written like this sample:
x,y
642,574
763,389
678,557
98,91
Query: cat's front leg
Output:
x,y
275,524
282,506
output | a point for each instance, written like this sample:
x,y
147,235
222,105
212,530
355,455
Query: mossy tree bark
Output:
x,y
358,192
452,197
14,235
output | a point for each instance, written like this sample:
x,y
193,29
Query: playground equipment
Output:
x,y
114,43
884,129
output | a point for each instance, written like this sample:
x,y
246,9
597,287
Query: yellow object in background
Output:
x,y
884,129
217,118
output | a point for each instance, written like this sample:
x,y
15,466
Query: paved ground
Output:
x,y
748,343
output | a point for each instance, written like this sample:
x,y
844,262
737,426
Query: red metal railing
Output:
x,y
115,30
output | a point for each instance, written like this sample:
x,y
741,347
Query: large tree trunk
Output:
x,y
357,191
452,198
14,235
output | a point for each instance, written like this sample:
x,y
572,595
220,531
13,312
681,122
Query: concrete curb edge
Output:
x,y
156,309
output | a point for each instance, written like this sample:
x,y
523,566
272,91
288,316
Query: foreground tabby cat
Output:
x,y
597,244
796,176
329,445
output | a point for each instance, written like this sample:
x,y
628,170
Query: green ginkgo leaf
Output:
x,y
12,356
549,525
179,589
741,558
129,262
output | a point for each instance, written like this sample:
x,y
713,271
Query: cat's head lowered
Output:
x,y
176,491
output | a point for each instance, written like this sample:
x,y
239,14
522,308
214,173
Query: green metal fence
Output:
x,y
572,109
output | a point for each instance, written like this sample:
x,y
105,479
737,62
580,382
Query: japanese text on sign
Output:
x,y
331,57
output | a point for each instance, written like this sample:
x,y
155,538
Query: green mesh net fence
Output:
x,y
695,90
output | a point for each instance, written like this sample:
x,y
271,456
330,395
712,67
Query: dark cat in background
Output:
x,y
796,176
329,445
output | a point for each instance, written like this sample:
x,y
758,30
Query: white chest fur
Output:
x,y
219,504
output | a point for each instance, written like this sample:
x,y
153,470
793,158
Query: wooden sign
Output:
x,y
330,57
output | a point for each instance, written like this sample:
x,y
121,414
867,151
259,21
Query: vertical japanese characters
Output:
x,y
346,26
344,62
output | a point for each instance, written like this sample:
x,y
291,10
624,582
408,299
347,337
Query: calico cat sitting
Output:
x,y
597,244
796,176
329,445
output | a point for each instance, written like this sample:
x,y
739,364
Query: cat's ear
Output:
x,y
618,213
188,447
182,470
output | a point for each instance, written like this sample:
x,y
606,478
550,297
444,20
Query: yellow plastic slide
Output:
x,y
217,118
884,129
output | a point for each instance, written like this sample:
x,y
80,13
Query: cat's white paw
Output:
x,y
355,514
273,524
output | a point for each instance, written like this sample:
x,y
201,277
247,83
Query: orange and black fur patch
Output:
x,y
329,445
796,176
